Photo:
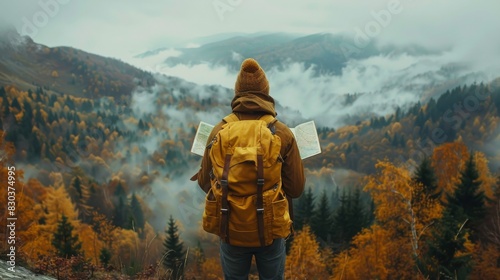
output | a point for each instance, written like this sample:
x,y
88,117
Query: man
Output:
x,y
251,102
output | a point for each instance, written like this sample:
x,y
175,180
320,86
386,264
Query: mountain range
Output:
x,y
328,53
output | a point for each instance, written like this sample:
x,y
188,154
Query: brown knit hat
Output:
x,y
251,78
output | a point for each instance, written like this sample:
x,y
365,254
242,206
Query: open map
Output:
x,y
305,135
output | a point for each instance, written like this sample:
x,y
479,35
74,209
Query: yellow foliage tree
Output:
x,y
486,266
28,196
58,203
447,160
485,176
368,257
50,211
91,244
396,127
15,198
151,246
393,191
212,269
304,259
104,228
125,247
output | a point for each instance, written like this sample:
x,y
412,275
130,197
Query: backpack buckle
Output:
x,y
224,210
260,182
260,210
224,183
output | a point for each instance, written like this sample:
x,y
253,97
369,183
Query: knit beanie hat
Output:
x,y
251,78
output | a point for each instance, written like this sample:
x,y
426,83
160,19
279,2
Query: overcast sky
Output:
x,y
123,28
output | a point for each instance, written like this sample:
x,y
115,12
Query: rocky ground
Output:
x,y
20,273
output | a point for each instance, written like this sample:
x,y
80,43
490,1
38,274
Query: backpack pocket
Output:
x,y
211,215
243,229
281,217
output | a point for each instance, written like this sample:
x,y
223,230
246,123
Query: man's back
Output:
x,y
251,102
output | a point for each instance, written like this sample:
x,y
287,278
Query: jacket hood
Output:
x,y
253,102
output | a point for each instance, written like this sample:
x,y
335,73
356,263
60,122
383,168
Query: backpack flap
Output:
x,y
243,154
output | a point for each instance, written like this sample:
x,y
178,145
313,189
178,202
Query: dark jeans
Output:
x,y
270,260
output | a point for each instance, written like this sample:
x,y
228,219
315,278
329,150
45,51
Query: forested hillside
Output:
x,y
469,113
82,169
63,69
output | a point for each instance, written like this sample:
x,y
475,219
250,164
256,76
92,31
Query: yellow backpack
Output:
x,y
246,205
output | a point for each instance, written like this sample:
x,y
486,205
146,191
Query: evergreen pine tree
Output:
x,y
105,257
66,244
3,94
304,209
426,176
35,148
322,218
77,185
51,117
120,214
69,102
443,258
335,199
15,104
38,96
356,215
137,213
39,120
141,125
398,114
420,120
26,123
174,250
5,107
467,202
121,210
339,222
97,200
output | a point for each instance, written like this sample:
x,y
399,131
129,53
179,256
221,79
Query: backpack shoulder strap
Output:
x,y
231,118
269,119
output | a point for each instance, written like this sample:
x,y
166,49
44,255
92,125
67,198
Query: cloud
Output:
x,y
146,60
128,27
203,74
178,197
382,83
143,101
237,57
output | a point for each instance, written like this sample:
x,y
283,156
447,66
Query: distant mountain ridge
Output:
x,y
327,52
64,69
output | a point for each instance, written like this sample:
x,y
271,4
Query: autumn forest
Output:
x,y
101,189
